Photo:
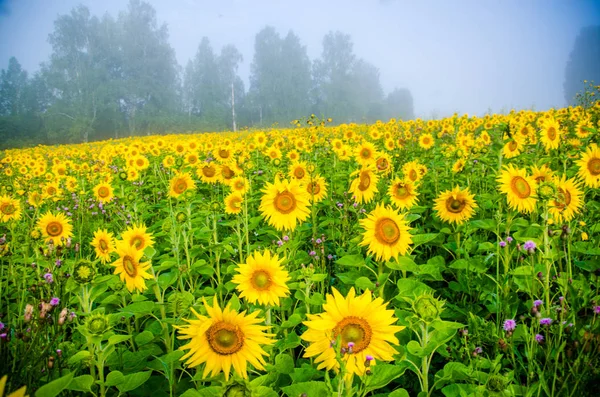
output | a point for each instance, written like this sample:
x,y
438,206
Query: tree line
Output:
x,y
118,76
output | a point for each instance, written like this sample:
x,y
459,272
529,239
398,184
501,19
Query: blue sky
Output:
x,y
463,56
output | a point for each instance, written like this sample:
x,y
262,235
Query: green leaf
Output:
x,y
420,239
351,260
139,308
485,224
114,378
144,337
469,265
55,387
364,283
113,340
284,364
166,279
133,381
191,393
292,321
77,357
404,263
309,389
384,374
82,383
399,393
410,288
318,277
149,252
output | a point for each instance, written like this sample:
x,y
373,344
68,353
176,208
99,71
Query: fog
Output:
x,y
465,56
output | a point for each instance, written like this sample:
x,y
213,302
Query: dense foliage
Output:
x,y
455,257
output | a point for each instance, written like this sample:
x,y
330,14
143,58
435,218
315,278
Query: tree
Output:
x,y
228,62
399,105
13,84
584,62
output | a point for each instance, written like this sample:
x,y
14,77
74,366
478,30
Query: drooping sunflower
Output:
x,y
568,200
589,166
363,325
458,166
403,194
181,183
104,244
550,135
520,189
56,228
103,192
233,203
284,204
10,209
316,187
456,205
364,186
386,233
137,237
129,268
262,279
225,339
17,393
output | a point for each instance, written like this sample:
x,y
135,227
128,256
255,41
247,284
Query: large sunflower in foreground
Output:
x,y
262,279
56,228
403,194
589,166
456,205
568,200
359,322
364,186
181,183
386,233
10,209
104,244
520,189
137,237
131,271
223,340
284,204
103,192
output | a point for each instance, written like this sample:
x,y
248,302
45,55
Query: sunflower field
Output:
x,y
452,257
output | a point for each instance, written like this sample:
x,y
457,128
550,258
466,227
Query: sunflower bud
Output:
x,y
181,217
427,307
237,390
83,272
546,190
496,383
96,324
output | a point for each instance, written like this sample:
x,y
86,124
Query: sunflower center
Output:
x,y
520,187
313,188
261,280
240,185
413,175
7,208
137,242
227,172
512,146
180,186
285,202
103,192
593,166
299,173
455,205
54,229
51,191
356,330
224,153
103,245
224,338
365,153
551,133
382,164
365,181
209,172
129,266
401,191
387,231
564,199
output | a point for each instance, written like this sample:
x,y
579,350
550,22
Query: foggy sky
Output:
x,y
463,56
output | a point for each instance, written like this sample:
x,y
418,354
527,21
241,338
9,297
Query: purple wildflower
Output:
x,y
280,243
510,325
49,278
529,246
286,238
545,321
539,338
330,257
369,357
502,244
312,253
319,241
509,239
596,309
1,326
54,301
537,303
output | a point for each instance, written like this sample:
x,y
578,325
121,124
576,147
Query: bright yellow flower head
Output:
x,y
385,233
137,237
10,209
181,183
131,271
262,279
284,204
56,228
104,244
455,205
520,189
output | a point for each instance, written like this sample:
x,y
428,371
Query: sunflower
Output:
x,y
403,194
10,208
225,339
455,205
208,173
568,200
233,203
227,173
366,153
316,187
383,164
364,186
137,237
298,171
520,189
34,199
17,393
181,183
52,190
363,325
262,279
413,171
512,148
426,141
458,166
103,192
589,166
284,204
168,161
386,233
104,244
239,184
129,268
541,174
56,228
550,135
